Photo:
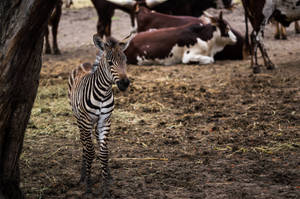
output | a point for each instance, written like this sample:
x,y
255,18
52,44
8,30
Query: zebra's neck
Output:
x,y
102,74
97,61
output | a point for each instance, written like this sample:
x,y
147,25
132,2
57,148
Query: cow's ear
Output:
x,y
98,42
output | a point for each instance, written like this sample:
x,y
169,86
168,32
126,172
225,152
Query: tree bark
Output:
x,y
22,25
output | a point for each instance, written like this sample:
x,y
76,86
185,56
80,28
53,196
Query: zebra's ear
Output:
x,y
126,41
98,42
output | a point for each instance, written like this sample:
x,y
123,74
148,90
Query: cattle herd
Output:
x,y
179,31
186,37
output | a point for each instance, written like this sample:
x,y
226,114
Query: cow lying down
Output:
x,y
191,43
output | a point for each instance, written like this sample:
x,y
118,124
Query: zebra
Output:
x,y
91,98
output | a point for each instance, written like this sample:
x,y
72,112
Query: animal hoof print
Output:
x,y
256,69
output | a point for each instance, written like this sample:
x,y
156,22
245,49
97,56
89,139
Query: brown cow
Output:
x,y
194,42
148,19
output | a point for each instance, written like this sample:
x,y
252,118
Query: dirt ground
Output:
x,y
186,131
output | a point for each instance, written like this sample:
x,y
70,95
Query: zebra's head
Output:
x,y
113,52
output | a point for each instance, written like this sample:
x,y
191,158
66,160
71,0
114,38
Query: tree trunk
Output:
x,y
22,25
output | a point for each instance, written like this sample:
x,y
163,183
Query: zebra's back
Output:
x,y
78,73
75,80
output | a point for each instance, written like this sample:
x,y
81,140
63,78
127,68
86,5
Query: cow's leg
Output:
x,y
100,28
190,57
103,129
108,29
103,27
47,44
297,27
267,61
277,30
254,61
55,22
54,34
283,32
88,154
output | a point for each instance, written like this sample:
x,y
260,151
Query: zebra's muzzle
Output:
x,y
123,84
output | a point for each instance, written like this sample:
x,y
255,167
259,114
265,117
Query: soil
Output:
x,y
184,131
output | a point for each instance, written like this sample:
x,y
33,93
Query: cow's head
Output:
x,y
226,36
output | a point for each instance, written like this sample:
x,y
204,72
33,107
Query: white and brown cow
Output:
x,y
191,43
259,14
148,19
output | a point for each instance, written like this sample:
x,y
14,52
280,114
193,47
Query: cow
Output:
x,y
191,43
147,19
53,22
259,13
105,9
280,31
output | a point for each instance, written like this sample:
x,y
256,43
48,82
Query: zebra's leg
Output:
x,y
103,129
88,154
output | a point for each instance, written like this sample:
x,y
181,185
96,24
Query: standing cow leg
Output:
x,y
108,29
254,61
283,32
88,154
267,61
297,27
100,28
277,30
54,34
103,27
55,22
103,129
47,44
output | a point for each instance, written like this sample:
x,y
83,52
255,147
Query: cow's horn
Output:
x,y
207,14
152,3
123,3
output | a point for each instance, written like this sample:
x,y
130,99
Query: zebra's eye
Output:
x,y
110,63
